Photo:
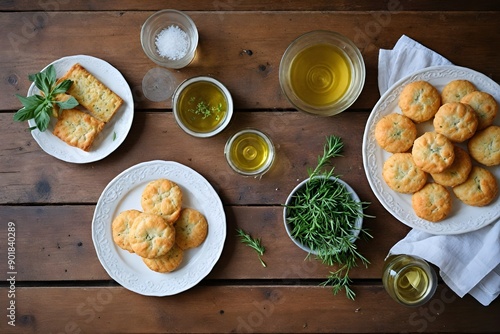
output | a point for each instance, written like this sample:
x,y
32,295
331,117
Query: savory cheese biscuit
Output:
x,y
121,228
402,174
419,101
433,202
162,197
190,229
77,128
484,147
151,236
166,263
395,133
480,189
457,121
485,106
433,152
91,93
455,90
458,172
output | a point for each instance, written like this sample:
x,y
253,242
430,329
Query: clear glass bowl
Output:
x,y
185,91
161,20
322,73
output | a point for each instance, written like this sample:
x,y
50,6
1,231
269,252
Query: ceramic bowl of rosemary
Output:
x,y
202,106
323,215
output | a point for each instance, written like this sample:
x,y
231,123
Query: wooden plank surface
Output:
x,y
59,237
33,41
299,139
255,5
242,309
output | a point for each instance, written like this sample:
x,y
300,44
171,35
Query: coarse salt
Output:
x,y
172,43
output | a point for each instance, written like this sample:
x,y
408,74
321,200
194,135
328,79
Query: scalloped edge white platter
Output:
x,y
123,193
463,218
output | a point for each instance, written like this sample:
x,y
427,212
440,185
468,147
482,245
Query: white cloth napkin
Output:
x,y
470,262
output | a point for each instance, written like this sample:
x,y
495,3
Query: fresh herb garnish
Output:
x,y
114,135
41,107
322,217
205,110
253,243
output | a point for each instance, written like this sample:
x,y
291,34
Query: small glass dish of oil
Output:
x,y
409,280
202,106
249,152
322,73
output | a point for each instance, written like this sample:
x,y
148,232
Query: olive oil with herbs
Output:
x,y
320,75
202,106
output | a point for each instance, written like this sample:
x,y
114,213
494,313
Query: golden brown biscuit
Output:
x,y
419,101
395,133
484,147
121,228
484,105
151,236
432,152
162,197
402,174
433,202
480,189
457,121
166,263
77,128
455,90
190,229
98,99
458,172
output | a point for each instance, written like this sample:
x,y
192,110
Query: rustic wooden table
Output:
x,y
59,285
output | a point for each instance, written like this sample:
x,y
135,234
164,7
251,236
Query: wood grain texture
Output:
x,y
32,40
299,139
242,309
54,243
256,5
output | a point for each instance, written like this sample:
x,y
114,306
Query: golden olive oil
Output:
x,y
249,152
202,106
320,75
408,280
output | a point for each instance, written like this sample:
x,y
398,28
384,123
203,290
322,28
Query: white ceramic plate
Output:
x,y
463,218
113,134
123,193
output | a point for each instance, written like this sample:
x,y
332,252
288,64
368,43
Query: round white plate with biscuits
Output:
x,y
113,133
124,193
463,218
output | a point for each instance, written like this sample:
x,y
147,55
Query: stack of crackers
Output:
x,y
79,128
163,230
461,116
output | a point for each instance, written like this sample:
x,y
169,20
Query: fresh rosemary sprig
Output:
x,y
322,216
41,107
253,243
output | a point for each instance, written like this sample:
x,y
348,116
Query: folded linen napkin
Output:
x,y
469,262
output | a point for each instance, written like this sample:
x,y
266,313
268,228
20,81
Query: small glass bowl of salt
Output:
x,y
169,38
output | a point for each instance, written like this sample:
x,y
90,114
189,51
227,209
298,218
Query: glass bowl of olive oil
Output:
x,y
409,280
249,152
322,73
202,106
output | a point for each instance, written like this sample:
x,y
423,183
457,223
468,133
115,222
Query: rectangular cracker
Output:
x,y
77,128
92,94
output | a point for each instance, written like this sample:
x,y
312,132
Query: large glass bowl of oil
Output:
x,y
322,73
409,280
202,106
250,152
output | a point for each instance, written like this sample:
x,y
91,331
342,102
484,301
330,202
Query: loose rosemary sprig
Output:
x,y
322,216
253,243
